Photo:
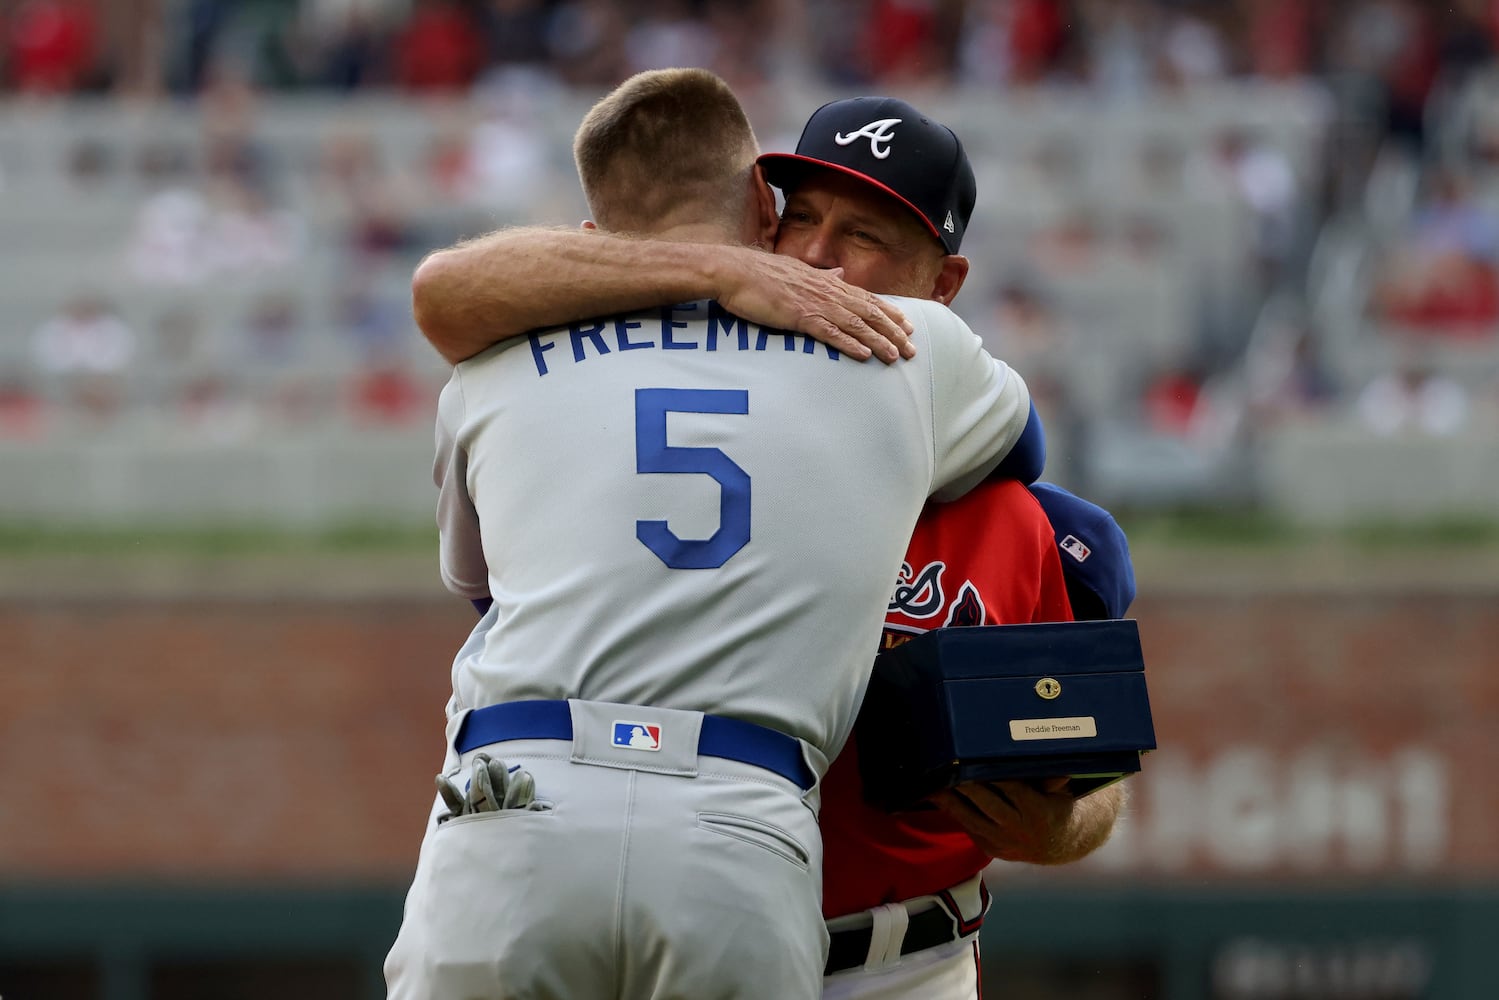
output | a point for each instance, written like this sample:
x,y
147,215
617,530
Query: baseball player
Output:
x,y
636,736
904,894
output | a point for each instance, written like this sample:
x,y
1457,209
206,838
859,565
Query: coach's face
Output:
x,y
833,220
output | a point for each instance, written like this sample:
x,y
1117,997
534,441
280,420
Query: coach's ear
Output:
x,y
950,279
762,217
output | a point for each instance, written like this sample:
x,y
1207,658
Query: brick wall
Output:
x,y
1318,733
239,739
1331,733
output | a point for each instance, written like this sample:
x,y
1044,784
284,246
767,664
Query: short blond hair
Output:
x,y
665,147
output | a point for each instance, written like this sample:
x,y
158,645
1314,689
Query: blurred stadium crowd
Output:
x,y
1199,222
1113,46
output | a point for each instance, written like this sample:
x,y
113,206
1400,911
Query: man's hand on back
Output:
x,y
787,294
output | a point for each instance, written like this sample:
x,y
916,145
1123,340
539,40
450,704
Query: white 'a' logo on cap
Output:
x,y
948,224
877,132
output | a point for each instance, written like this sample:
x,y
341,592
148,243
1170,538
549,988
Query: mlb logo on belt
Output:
x,y
637,736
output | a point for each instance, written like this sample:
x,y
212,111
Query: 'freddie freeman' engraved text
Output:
x,y
1053,728
724,331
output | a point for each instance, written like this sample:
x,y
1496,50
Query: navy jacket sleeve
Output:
x,y
1027,458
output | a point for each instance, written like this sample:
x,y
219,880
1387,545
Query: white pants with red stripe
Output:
x,y
948,971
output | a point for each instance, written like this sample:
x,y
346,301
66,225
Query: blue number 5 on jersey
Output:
x,y
653,454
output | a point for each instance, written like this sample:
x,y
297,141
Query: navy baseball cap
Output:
x,y
887,142
1094,551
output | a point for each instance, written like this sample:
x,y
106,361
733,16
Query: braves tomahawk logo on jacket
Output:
x,y
989,558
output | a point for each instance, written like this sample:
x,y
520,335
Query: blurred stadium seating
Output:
x,y
256,358
256,242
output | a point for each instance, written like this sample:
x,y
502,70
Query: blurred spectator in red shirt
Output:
x,y
1035,38
445,162
1280,37
22,410
386,394
1409,78
1443,276
1172,401
53,46
1038,32
901,42
440,48
1459,296
1018,42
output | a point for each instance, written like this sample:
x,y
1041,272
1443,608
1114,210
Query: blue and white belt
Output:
x,y
731,739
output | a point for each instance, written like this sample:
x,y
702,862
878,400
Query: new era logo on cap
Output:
x,y
637,735
1075,548
894,147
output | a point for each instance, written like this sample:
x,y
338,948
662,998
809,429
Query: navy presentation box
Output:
x,y
1004,701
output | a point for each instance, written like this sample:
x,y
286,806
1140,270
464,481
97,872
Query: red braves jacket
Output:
x,y
989,558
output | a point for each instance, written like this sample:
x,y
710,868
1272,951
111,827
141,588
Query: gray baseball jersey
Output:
x,y
681,509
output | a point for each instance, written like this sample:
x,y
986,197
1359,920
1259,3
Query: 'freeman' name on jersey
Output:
x,y
593,338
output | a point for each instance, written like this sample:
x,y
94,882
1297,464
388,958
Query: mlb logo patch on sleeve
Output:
x,y
1075,548
637,736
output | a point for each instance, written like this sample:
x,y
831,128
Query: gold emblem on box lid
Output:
x,y
1048,687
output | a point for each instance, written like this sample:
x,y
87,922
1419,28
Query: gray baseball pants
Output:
x,y
627,882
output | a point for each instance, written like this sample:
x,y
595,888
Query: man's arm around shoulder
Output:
x,y
482,291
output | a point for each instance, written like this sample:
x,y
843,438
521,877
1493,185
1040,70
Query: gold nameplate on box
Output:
x,y
1053,729
1004,702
